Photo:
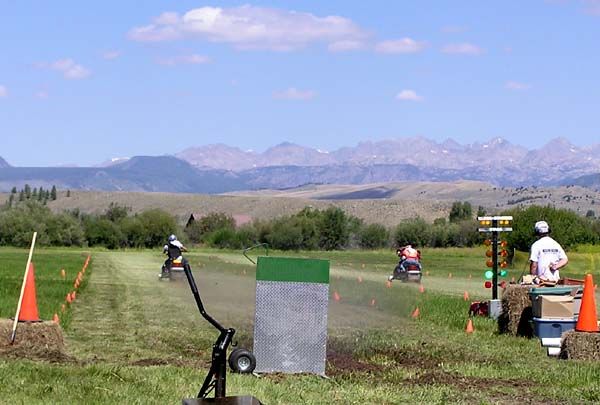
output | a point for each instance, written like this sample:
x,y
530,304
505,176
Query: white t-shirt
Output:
x,y
544,252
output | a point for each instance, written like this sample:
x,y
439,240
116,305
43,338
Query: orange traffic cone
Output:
x,y
73,296
68,298
55,318
415,313
466,296
421,288
62,308
336,296
29,310
388,284
63,274
588,317
470,328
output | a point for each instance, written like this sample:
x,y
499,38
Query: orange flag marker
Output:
x,y
416,313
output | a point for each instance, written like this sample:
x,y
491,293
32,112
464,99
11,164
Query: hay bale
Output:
x,y
34,340
580,346
516,311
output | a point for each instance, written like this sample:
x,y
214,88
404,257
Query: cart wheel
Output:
x,y
242,361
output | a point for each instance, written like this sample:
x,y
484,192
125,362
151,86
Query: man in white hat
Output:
x,y
547,256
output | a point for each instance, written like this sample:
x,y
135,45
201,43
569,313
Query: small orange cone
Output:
x,y
588,317
68,298
55,318
76,284
373,302
449,275
29,310
73,296
62,308
470,328
336,296
421,288
360,280
466,296
415,313
388,284
512,280
63,274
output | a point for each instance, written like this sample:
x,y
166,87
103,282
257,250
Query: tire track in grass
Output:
x,y
127,315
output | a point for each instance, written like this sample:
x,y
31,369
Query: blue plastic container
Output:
x,y
552,328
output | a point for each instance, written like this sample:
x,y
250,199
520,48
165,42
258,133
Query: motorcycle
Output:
x,y
407,270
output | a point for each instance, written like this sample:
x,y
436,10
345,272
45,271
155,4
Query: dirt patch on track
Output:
x,y
34,341
340,362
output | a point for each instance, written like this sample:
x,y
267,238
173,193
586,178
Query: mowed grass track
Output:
x,y
138,340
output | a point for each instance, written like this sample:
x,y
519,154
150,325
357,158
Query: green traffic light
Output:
x,y
489,274
503,273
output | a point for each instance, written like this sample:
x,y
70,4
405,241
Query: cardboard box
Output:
x,y
553,306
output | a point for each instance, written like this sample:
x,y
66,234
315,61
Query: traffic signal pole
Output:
x,y
495,261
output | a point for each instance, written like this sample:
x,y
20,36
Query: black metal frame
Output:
x,y
217,375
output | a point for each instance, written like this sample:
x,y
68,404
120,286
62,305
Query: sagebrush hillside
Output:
x,y
385,203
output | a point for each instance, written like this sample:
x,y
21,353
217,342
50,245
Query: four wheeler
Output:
x,y
407,270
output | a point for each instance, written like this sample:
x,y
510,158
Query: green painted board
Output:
x,y
270,268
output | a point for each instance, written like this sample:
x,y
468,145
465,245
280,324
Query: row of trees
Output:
x,y
28,194
309,229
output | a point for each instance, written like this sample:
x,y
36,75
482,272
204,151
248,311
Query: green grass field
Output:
x,y
134,339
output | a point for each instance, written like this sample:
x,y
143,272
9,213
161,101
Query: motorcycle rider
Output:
x,y
173,249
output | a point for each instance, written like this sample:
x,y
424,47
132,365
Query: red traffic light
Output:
x,y
487,242
503,243
489,263
503,284
488,253
503,264
487,284
504,253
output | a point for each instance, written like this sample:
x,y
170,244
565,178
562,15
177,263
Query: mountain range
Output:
x,y
220,168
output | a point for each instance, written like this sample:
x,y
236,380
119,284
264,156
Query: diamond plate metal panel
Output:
x,y
290,328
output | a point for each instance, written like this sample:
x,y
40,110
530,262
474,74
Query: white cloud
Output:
x,y
512,85
403,45
464,48
3,91
251,27
293,93
110,55
193,59
409,95
68,67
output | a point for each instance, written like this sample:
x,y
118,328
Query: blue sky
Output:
x,y
83,82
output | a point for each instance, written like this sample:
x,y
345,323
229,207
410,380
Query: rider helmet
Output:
x,y
542,228
172,238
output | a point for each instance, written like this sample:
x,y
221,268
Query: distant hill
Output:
x,y
140,173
